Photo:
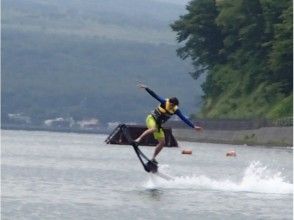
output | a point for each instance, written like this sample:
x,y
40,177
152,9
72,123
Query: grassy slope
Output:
x,y
264,101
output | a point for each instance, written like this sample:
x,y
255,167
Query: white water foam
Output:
x,y
257,178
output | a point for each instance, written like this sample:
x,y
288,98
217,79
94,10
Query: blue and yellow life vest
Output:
x,y
163,112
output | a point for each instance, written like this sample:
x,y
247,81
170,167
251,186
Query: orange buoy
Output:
x,y
231,153
186,151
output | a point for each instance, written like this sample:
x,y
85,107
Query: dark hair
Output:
x,y
174,100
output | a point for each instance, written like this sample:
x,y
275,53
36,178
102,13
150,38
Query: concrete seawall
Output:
x,y
266,136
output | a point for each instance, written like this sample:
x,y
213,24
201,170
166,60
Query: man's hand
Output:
x,y
142,86
197,128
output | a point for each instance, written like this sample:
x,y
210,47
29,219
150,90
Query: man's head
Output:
x,y
174,101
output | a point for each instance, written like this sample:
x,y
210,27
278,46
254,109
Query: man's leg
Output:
x,y
145,133
151,125
158,148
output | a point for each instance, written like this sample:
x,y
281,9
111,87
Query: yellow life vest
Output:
x,y
164,111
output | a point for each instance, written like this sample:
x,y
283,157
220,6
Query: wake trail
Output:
x,y
257,178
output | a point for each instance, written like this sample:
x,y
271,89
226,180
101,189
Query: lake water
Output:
x,y
48,175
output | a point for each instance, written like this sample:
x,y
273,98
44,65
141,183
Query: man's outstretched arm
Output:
x,y
187,121
153,94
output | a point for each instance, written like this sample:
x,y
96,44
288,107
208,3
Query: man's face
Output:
x,y
172,105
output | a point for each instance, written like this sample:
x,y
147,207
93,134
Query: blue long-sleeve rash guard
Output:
x,y
177,112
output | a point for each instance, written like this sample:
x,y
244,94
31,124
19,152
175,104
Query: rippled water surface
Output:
x,y
49,175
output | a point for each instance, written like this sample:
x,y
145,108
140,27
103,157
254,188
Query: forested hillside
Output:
x,y
245,49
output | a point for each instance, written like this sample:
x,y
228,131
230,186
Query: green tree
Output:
x,y
202,37
281,56
245,46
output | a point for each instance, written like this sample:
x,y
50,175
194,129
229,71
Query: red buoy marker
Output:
x,y
231,153
186,151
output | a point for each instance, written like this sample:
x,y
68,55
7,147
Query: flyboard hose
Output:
x,y
149,166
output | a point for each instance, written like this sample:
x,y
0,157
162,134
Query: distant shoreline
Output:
x,y
266,136
50,129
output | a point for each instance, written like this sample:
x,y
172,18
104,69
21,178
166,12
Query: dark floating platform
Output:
x,y
117,137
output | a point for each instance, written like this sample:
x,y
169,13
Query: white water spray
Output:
x,y
257,178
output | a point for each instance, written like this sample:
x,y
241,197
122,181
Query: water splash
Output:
x,y
257,178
